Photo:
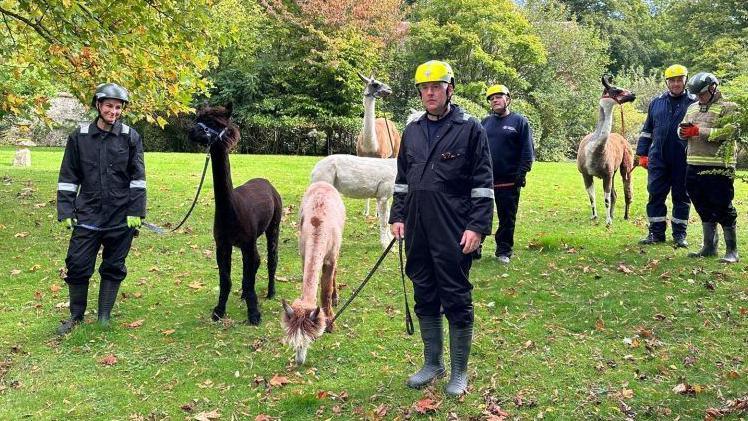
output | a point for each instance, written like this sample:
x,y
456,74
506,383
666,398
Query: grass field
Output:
x,y
583,324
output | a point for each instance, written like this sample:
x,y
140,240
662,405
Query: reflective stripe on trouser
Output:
x,y
82,250
439,272
662,181
712,196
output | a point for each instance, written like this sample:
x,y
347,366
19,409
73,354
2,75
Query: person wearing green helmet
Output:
x,y
512,154
711,164
663,155
442,205
101,196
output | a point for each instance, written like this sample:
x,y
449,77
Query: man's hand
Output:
x,y
520,180
134,221
470,241
643,161
398,230
690,130
67,223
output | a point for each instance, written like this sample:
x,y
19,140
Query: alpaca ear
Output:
x,y
287,308
229,109
314,314
362,77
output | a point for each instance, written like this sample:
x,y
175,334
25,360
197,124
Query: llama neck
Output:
x,y
604,122
369,132
222,184
313,259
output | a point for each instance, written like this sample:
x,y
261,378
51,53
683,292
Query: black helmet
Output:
x,y
701,81
110,90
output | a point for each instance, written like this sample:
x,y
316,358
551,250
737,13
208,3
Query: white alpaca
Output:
x,y
361,178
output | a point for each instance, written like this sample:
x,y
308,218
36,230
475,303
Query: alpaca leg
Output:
x,y
223,258
327,283
334,288
272,235
366,208
607,184
251,262
589,185
384,232
627,194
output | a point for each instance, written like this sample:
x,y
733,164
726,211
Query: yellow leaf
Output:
x,y
161,122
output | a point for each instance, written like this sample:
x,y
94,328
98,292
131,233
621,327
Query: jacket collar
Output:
x,y
93,128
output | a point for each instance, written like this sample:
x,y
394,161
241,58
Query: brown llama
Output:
x,y
379,138
602,153
322,218
242,214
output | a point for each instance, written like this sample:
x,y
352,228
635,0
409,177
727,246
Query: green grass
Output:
x,y
582,320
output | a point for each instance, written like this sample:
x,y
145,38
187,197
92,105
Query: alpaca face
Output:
x,y
619,95
302,326
213,126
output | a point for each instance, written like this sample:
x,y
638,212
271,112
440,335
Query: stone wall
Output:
x,y
67,113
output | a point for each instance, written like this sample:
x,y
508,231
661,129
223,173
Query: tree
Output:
x,y
157,49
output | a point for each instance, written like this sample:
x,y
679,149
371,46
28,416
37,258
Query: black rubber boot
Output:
x,y
78,301
107,295
731,243
460,339
652,238
433,352
710,241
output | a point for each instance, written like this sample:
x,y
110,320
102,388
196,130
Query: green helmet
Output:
x,y
112,91
701,81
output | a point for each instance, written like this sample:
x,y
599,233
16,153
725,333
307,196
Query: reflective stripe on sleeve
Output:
x,y
67,187
137,184
645,134
481,192
400,188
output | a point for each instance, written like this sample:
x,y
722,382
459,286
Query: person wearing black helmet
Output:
x,y
711,164
101,196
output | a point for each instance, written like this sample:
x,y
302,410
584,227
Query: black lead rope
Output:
x,y
197,194
408,319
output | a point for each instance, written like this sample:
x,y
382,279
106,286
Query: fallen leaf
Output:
x,y
196,285
278,380
426,405
207,416
108,360
135,324
21,234
55,288
322,394
625,269
15,272
168,332
381,411
262,417
35,267
599,325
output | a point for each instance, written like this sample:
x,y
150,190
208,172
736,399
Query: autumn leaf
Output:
x,y
15,272
277,380
55,288
262,417
135,324
196,285
380,411
426,405
625,269
108,360
168,332
21,234
322,394
599,325
207,416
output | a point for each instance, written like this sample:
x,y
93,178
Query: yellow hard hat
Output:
x,y
676,70
496,89
435,71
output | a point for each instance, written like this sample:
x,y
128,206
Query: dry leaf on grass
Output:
x,y
108,360
207,416
426,405
277,381
135,324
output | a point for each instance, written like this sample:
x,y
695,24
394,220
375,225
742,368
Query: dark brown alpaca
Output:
x,y
602,153
242,214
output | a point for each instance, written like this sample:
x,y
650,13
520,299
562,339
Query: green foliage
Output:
x,y
158,50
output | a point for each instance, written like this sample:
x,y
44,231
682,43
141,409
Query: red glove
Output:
x,y
643,162
688,131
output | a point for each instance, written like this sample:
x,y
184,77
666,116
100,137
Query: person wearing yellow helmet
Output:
x,y
101,196
663,154
442,205
711,164
512,153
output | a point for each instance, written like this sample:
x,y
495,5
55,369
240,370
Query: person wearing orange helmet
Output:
x,y
663,154
442,205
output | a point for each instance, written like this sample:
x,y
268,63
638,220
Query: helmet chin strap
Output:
x,y
445,109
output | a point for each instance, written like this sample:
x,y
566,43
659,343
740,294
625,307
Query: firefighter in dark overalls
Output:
x,y
101,197
442,205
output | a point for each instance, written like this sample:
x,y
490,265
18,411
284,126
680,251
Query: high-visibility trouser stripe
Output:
x,y
710,161
679,221
400,188
657,218
645,134
137,184
481,192
67,187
